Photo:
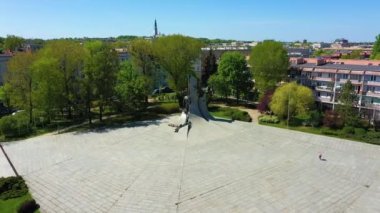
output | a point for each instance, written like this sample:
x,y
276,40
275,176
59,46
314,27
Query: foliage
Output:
x,y
269,64
166,108
48,85
15,125
263,105
376,48
360,131
101,65
230,113
65,58
322,52
355,54
315,118
332,119
219,85
346,109
177,54
131,86
348,130
12,187
232,76
166,97
269,119
19,77
209,67
291,100
13,43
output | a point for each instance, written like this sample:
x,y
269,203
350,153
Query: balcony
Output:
x,y
315,78
372,83
373,94
371,106
325,99
324,88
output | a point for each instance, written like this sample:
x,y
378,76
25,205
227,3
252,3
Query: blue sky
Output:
x,y
286,20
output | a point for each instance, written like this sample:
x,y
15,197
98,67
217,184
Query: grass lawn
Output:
x,y
229,113
11,205
370,136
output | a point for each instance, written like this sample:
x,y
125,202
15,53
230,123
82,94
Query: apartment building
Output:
x,y
326,78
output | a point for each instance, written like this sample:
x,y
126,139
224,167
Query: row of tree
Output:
x,y
269,64
72,79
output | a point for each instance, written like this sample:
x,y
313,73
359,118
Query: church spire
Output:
x,y
155,28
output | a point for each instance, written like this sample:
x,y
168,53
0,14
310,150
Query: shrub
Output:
x,y
332,120
15,125
372,137
240,116
166,108
28,206
360,131
269,119
12,187
348,130
328,131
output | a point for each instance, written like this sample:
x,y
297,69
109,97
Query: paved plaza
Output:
x,y
218,167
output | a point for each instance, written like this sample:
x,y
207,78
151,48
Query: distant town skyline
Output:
x,y
239,20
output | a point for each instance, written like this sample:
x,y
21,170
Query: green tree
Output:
x,y
48,86
13,43
233,68
291,100
177,55
131,86
220,85
19,77
347,99
101,66
142,54
376,48
269,64
209,67
69,56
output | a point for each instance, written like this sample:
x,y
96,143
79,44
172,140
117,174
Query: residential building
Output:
x,y
326,78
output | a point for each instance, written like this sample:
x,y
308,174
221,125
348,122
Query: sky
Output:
x,y
253,20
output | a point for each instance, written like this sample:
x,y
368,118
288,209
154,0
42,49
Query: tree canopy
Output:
x,y
293,99
376,49
269,64
345,108
13,43
131,86
177,54
233,75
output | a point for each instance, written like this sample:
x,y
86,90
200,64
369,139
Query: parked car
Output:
x,y
162,90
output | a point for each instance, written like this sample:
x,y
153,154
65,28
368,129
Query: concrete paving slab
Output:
x,y
218,167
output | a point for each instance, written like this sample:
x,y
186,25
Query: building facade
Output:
x,y
326,78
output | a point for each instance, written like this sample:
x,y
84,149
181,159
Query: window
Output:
x,y
373,77
319,74
345,76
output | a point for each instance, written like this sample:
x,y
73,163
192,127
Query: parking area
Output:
x,y
218,167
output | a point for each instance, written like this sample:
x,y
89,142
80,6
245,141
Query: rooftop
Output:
x,y
340,66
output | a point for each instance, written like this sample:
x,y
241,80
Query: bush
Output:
x,y
240,116
269,119
12,187
372,137
360,131
28,206
15,125
167,97
332,120
347,130
328,131
166,108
